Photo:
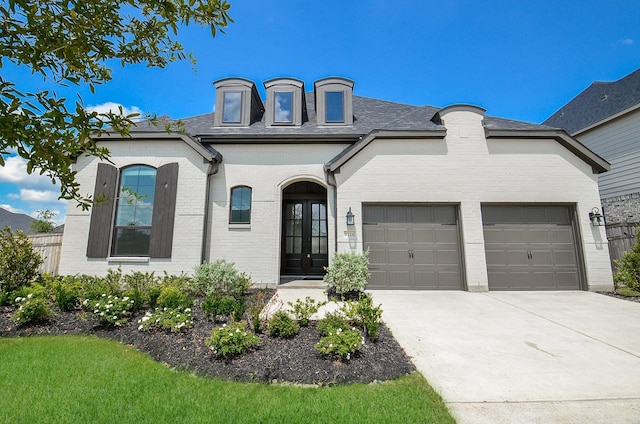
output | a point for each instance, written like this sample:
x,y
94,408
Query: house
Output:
x,y
443,198
605,117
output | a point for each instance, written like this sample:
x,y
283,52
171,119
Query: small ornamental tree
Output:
x,y
349,272
44,223
19,263
629,267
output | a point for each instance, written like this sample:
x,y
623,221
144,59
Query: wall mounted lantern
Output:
x,y
350,218
596,218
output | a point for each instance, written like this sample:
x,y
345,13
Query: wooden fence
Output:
x,y
621,238
49,247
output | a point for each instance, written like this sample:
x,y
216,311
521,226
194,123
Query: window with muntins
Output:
x,y
334,101
240,211
283,107
232,107
134,211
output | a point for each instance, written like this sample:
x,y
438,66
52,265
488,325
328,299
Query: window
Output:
x,y
232,108
335,106
283,107
240,212
134,212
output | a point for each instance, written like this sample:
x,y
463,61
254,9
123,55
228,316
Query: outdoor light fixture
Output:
x,y
596,218
350,218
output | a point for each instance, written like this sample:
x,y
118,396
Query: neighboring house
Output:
x,y
443,198
606,118
16,221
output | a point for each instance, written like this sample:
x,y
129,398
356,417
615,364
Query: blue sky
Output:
x,y
518,60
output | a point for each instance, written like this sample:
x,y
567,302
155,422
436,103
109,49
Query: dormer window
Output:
x,y
283,107
238,103
285,102
232,107
334,101
334,97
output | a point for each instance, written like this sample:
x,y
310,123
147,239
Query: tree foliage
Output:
x,y
76,43
44,223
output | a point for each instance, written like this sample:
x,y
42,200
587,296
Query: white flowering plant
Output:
x,y
31,308
232,339
341,343
173,319
110,309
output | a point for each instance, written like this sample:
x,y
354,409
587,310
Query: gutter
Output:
x,y
213,169
333,185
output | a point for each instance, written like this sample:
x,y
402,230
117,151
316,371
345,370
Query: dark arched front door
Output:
x,y
304,229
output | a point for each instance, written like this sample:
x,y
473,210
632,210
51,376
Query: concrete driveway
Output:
x,y
523,357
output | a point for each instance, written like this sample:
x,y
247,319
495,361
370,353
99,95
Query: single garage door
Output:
x,y
531,247
413,247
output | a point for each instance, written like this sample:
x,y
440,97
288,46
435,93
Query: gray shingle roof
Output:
x,y
16,221
598,102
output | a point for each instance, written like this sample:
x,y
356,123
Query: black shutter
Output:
x,y
164,211
102,211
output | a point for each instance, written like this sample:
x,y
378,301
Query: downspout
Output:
x,y
211,171
333,185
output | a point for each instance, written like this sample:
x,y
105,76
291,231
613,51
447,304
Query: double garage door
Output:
x,y
418,247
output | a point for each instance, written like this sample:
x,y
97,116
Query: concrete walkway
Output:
x,y
523,357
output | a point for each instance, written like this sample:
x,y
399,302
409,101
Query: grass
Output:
x,y
74,379
626,291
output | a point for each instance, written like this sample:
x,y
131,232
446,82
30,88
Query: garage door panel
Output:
x,y
421,246
530,248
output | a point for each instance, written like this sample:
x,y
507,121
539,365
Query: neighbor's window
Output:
x,y
232,108
132,230
334,101
283,110
240,212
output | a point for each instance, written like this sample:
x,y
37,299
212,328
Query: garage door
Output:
x,y
413,247
531,248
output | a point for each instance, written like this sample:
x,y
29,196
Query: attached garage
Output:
x,y
531,247
413,247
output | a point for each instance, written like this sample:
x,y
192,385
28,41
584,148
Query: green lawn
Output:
x,y
89,380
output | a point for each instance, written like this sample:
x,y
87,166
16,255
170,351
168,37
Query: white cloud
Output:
x,y
115,108
15,171
11,209
625,41
29,195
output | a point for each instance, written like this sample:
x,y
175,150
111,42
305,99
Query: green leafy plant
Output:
x,y
331,322
282,325
44,223
173,298
362,313
231,340
111,310
628,266
303,309
66,293
220,278
137,286
219,305
341,343
348,272
31,309
94,287
19,263
173,319
257,303
238,311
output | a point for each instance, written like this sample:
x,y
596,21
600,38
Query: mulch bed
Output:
x,y
275,360
619,296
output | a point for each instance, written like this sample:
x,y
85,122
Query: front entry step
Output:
x,y
303,284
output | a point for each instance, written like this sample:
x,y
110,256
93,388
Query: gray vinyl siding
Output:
x,y
618,142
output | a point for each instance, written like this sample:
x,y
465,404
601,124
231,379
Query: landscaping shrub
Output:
x,y
173,319
232,339
303,309
341,343
362,313
349,272
331,322
173,298
31,309
219,305
94,287
111,309
19,263
220,278
65,292
257,303
628,273
238,311
137,286
282,325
